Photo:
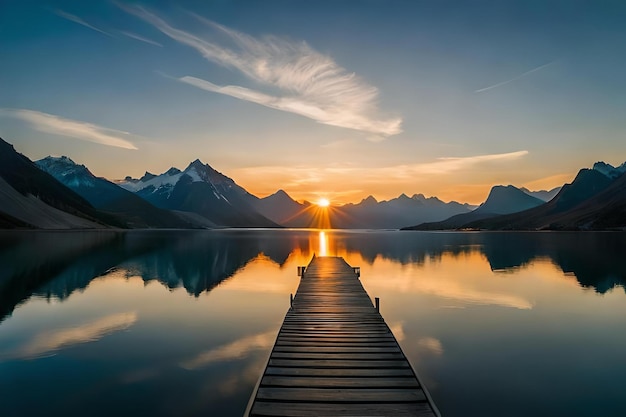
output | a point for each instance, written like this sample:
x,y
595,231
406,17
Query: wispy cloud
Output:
x,y
312,84
450,164
338,144
80,21
140,38
550,182
306,180
500,84
51,341
50,123
304,174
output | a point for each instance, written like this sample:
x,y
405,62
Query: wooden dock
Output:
x,y
335,355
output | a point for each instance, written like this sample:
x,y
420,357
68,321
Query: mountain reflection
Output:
x,y
594,258
196,263
55,264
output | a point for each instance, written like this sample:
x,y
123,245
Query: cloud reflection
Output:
x,y
431,344
48,342
398,330
454,291
235,350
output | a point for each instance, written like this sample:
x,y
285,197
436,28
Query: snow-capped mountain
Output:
x,y
67,171
159,188
106,196
199,189
165,181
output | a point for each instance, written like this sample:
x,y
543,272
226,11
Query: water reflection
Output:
x,y
53,265
235,350
48,342
452,289
323,244
431,344
170,323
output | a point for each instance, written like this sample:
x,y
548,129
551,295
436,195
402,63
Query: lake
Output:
x,y
181,323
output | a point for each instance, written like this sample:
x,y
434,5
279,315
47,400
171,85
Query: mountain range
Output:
x,y
202,190
367,214
106,196
57,193
501,200
594,200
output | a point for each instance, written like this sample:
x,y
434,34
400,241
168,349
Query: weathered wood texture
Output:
x,y
335,355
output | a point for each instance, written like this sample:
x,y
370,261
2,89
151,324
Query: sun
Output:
x,y
323,202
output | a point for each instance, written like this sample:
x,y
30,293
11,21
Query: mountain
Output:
x,y
280,208
507,199
27,211
606,209
609,170
373,214
396,212
36,199
501,200
545,195
109,197
202,190
592,200
455,222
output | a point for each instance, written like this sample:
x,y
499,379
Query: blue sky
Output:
x,y
337,99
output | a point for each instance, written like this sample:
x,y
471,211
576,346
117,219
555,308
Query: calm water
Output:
x,y
181,323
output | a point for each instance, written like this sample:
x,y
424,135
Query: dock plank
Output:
x,y
335,355
341,395
339,382
339,372
273,409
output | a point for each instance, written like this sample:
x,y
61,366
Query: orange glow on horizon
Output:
x,y
320,216
309,184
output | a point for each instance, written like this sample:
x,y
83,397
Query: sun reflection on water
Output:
x,y
323,244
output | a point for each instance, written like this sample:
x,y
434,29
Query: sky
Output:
x,y
336,99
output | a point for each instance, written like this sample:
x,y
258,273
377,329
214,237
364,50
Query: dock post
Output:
x,y
301,270
290,300
357,271
377,303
